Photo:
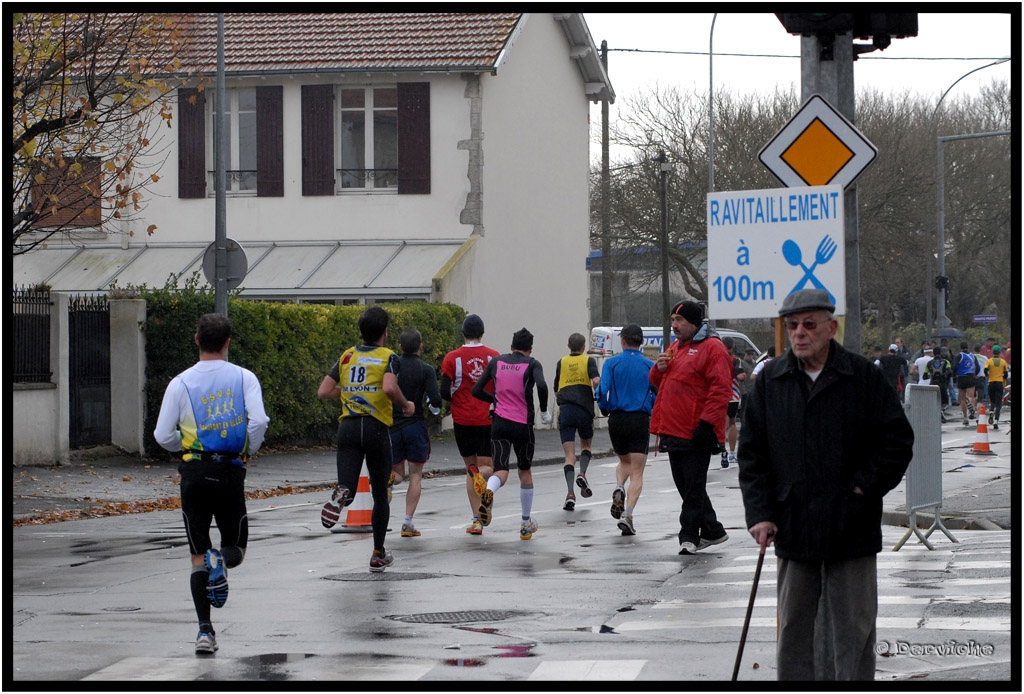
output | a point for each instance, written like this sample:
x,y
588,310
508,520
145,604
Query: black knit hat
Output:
x,y
691,311
522,340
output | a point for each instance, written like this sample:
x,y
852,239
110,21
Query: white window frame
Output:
x,y
371,184
234,176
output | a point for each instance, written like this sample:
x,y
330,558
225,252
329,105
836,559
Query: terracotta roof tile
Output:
x,y
349,41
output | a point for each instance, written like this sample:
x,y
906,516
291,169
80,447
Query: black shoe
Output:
x,y
725,460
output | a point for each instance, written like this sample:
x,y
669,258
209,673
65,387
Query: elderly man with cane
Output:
x,y
824,438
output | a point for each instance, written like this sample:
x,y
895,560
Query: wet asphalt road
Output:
x,y
107,599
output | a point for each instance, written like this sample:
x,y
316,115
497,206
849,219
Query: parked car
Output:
x,y
605,340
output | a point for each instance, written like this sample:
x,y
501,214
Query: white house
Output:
x,y
377,157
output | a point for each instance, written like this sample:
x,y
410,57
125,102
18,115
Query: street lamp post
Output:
x,y
941,281
665,168
711,107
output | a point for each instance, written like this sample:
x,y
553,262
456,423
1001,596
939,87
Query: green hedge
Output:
x,y
290,347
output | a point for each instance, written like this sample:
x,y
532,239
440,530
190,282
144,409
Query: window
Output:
x,y
255,136
240,138
366,139
369,133
69,195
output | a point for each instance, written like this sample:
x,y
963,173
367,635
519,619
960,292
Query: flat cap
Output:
x,y
806,300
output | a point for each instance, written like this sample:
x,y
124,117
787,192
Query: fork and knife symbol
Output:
x,y
826,249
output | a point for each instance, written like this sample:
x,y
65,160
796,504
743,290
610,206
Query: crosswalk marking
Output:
x,y
588,670
153,669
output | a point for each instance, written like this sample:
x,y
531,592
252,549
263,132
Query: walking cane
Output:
x,y
750,609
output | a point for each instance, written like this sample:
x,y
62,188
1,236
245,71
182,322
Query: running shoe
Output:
x,y
687,548
217,585
725,460
995,426
331,511
409,530
991,419
618,503
626,525
732,457
381,560
486,501
704,542
527,529
585,491
391,484
206,643
570,502
475,528
479,483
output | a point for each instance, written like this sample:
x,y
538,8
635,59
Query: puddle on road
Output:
x,y
264,667
516,650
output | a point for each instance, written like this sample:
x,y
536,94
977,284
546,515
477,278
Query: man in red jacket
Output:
x,y
694,381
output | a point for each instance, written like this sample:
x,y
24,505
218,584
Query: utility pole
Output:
x,y
826,68
827,53
220,296
606,187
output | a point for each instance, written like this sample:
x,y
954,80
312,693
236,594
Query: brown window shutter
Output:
x,y
414,137
78,196
191,143
269,142
317,139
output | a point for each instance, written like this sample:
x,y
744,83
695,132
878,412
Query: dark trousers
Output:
x,y
995,395
367,438
697,518
827,614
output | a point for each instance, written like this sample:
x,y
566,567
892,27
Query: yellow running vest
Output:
x,y
573,371
362,384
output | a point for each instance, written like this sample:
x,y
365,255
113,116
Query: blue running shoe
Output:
x,y
217,586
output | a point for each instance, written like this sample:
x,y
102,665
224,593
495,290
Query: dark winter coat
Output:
x,y
803,448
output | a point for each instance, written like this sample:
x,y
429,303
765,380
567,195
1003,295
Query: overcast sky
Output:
x,y
986,37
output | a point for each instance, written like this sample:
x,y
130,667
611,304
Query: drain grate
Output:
x,y
384,576
456,617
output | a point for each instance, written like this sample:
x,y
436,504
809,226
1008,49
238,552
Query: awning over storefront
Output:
x,y
315,270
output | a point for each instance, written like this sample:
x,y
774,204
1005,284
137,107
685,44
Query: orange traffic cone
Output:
x,y
981,446
360,511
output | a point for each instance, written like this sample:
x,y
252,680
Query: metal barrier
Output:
x,y
924,474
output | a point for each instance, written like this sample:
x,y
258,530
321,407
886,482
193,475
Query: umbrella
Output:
x,y
948,333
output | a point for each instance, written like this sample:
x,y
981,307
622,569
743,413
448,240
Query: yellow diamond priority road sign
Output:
x,y
818,147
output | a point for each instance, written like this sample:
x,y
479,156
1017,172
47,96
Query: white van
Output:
x,y
605,340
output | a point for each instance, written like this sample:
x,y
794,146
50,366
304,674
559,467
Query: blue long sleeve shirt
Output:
x,y
624,384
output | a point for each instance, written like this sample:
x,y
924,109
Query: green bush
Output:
x,y
290,347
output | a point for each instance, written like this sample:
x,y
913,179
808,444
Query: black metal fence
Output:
x,y
31,308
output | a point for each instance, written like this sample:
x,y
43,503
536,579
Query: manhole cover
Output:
x,y
384,576
456,617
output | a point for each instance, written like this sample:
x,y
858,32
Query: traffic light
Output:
x,y
816,23
881,27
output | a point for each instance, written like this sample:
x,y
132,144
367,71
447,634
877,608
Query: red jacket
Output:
x,y
696,385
